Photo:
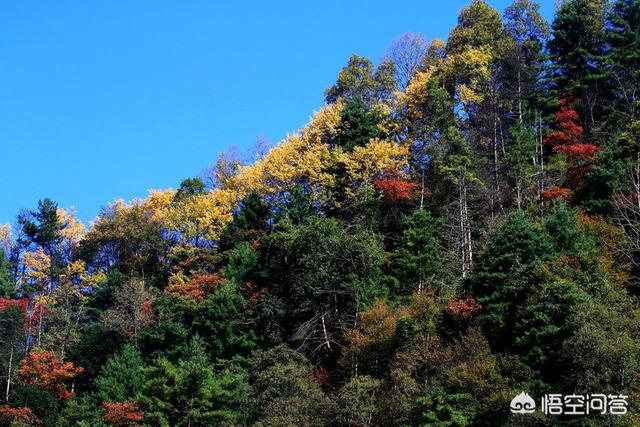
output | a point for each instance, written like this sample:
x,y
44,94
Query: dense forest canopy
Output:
x,y
458,224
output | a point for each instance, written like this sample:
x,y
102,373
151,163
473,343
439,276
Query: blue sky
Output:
x,y
104,100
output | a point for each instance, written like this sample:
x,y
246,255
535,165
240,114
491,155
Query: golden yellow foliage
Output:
x,y
201,216
304,155
366,163
301,157
73,231
416,92
37,268
76,273
472,70
376,328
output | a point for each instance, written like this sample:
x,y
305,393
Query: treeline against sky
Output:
x,y
456,225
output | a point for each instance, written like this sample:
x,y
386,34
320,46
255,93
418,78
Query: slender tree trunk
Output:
x,y
466,253
540,171
496,203
326,336
519,192
40,317
422,190
29,326
520,118
637,181
8,388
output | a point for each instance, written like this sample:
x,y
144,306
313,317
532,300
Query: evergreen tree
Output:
x,y
502,279
578,50
421,263
624,56
357,126
121,378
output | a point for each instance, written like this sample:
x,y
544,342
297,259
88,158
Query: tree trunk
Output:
x,y
6,394
326,336
466,252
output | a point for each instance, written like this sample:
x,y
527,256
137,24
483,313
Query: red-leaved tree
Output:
x,y
197,288
43,369
122,414
395,190
567,139
17,416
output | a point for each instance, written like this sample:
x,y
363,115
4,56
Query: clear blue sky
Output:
x,y
106,99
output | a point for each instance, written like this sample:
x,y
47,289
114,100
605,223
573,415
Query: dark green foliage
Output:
x,y
577,45
358,401
12,337
358,125
421,261
299,206
324,274
603,348
44,405
121,378
42,226
249,221
611,169
624,56
543,326
578,50
561,226
219,320
243,263
359,80
285,392
439,409
190,187
6,281
191,392
502,279
425,293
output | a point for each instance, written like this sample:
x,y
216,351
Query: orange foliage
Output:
x,y
555,193
44,370
122,414
579,151
17,416
396,190
197,288
376,328
611,237
464,307
147,314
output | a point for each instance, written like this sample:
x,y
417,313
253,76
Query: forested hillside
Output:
x,y
457,224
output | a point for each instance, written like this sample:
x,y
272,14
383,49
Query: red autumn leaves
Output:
x,y
396,190
567,139
462,308
122,414
197,288
44,370
31,317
